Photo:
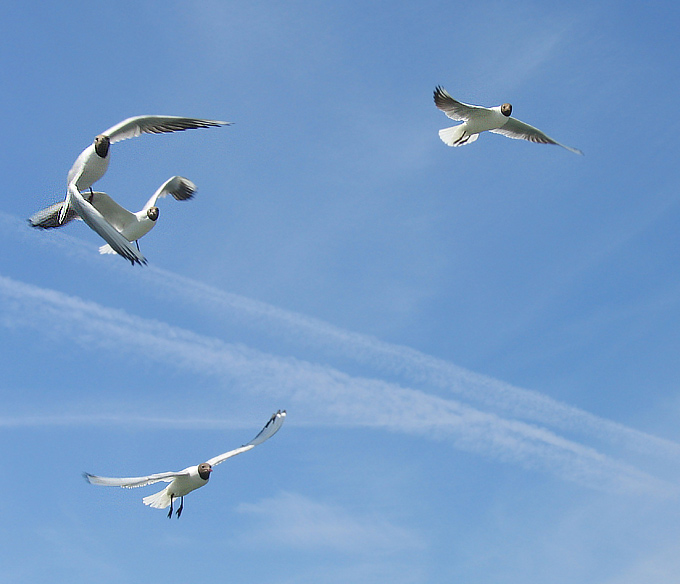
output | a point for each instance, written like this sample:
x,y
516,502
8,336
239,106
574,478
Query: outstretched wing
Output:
x,y
114,214
96,221
139,125
270,428
518,130
179,187
456,110
133,482
48,218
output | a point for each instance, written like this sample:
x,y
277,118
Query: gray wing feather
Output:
x,y
133,482
271,427
139,125
519,130
179,187
48,218
456,110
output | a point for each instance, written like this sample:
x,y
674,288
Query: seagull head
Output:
x,y
204,470
101,145
506,110
152,213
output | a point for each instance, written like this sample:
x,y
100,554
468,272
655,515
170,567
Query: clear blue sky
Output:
x,y
477,347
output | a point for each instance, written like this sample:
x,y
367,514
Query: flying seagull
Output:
x,y
115,224
92,163
191,478
477,119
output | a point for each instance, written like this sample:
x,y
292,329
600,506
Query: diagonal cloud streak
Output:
x,y
409,364
316,391
413,366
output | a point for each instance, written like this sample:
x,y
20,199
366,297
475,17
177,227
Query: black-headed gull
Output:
x,y
92,163
191,478
115,224
477,119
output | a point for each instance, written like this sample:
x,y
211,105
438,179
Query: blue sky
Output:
x,y
477,347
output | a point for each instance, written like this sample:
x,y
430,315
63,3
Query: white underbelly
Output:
x,y
136,229
91,168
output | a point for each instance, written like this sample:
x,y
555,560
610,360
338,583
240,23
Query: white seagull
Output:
x,y
92,163
191,478
115,224
477,119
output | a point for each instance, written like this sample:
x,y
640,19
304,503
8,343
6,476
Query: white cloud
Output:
x,y
414,367
295,521
661,567
318,394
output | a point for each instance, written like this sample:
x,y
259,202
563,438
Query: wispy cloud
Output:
x,y
406,364
319,394
412,366
294,521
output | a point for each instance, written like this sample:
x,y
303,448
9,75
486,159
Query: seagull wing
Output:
x,y
133,482
96,221
456,110
113,213
270,428
48,217
518,130
139,125
179,187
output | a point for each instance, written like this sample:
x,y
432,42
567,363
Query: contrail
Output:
x,y
411,365
317,393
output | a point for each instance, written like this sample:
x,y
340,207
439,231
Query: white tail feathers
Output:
x,y
159,500
106,249
457,136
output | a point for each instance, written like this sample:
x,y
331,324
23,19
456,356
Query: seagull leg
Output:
x,y
137,242
170,512
91,195
181,506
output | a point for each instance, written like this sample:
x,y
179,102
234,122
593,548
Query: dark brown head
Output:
x,y
101,145
506,110
152,213
204,470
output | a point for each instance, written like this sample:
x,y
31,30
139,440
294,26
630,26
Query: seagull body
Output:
x,y
189,479
114,223
93,162
89,167
477,119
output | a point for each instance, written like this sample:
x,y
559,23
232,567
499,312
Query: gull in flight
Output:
x,y
115,224
92,163
191,478
477,119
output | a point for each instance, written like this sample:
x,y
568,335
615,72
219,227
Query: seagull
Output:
x,y
115,224
191,478
477,119
92,163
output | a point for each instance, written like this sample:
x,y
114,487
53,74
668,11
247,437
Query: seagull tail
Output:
x,y
106,249
457,136
159,500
